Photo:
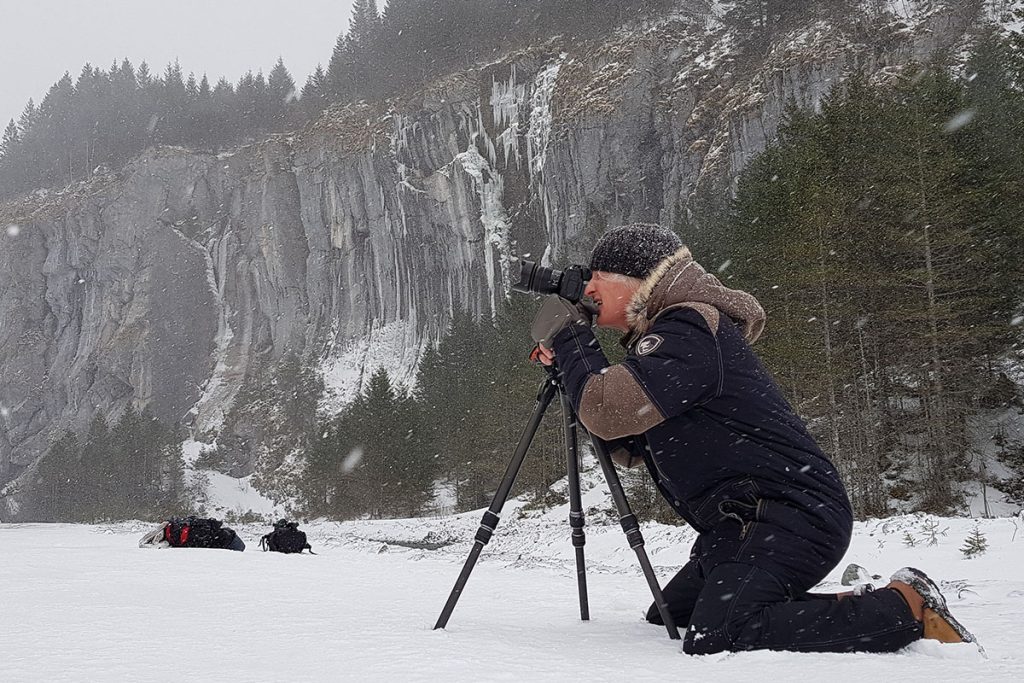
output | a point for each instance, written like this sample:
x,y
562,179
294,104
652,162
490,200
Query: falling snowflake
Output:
x,y
13,230
725,265
958,121
352,460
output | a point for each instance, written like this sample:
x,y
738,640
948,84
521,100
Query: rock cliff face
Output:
x,y
352,242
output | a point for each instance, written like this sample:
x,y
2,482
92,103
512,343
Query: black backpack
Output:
x,y
286,538
197,532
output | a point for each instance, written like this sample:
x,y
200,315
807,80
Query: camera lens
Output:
x,y
568,284
537,279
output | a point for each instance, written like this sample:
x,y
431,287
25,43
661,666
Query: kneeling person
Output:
x,y
694,404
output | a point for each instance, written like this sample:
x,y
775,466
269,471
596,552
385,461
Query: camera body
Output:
x,y
568,284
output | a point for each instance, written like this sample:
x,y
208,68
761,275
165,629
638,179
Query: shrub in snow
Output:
x,y
930,532
975,544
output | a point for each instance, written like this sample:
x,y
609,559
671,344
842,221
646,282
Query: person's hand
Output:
x,y
556,314
545,355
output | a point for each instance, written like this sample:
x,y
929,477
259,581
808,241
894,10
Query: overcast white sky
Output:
x,y
41,39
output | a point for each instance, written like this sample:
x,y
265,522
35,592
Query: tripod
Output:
x,y
627,519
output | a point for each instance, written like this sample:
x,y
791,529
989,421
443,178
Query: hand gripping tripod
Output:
x,y
627,519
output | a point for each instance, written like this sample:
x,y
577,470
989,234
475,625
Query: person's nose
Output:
x,y
590,289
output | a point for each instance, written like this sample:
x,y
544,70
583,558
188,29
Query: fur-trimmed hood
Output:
x,y
680,282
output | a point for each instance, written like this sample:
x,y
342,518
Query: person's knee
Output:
x,y
705,641
738,632
680,595
729,612
680,611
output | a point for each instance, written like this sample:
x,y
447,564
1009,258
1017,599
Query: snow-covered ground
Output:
x,y
84,603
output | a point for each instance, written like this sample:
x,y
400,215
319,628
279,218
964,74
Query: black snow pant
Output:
x,y
746,588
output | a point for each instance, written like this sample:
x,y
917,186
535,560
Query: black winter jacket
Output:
x,y
721,430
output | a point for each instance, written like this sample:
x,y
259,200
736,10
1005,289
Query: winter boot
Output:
x,y
929,606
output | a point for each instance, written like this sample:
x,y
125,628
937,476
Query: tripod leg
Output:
x,y
492,515
636,540
576,519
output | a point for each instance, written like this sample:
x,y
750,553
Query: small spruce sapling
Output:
x,y
975,544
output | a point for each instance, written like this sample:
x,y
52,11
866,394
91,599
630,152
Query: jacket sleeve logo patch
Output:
x,y
648,344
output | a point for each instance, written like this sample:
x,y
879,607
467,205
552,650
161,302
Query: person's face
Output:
x,y
612,294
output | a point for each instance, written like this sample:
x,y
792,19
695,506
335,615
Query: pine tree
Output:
x,y
56,114
9,143
145,79
975,544
147,112
247,97
353,70
280,84
403,29
364,26
281,93
226,116
126,135
315,93
84,127
19,165
339,76
323,484
172,108
191,89
203,93
393,476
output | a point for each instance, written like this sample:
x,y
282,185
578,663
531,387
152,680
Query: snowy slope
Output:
x,y
83,603
220,495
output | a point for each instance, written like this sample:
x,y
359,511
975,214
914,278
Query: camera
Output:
x,y
568,284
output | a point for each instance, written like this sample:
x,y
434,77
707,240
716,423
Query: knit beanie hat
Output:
x,y
634,250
